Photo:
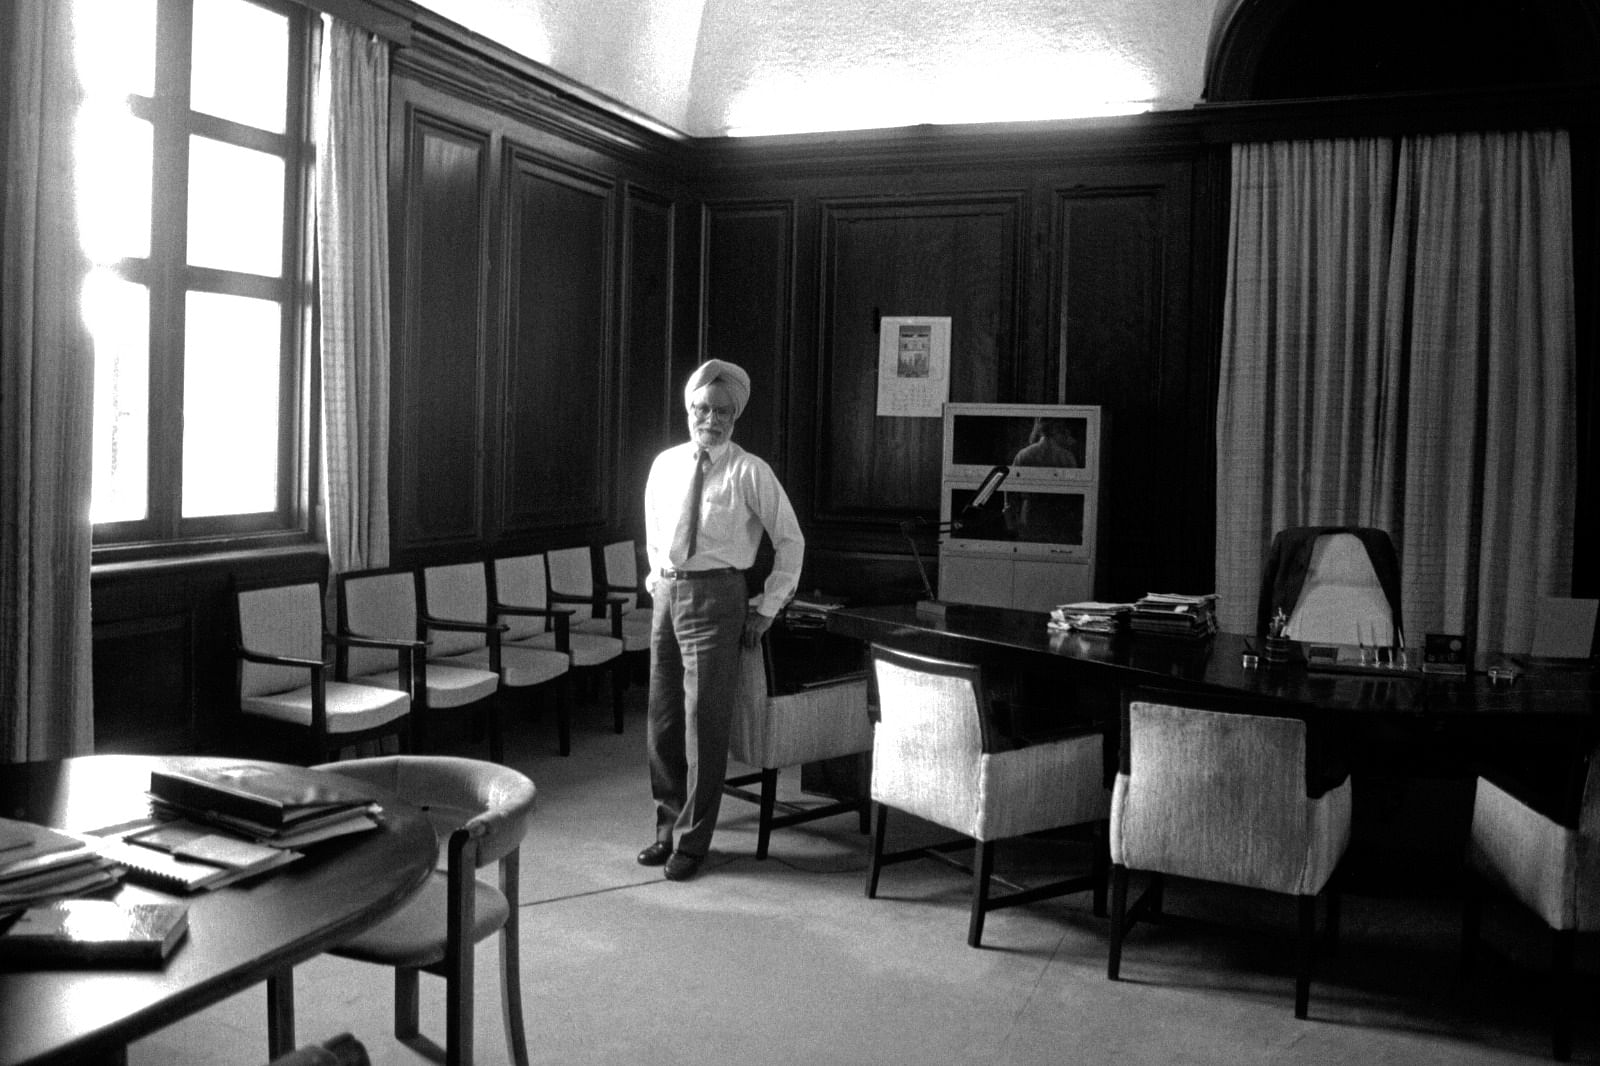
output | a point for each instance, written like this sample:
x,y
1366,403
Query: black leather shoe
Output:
x,y
655,854
681,867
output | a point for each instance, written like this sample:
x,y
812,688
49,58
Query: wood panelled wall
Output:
x,y
1074,268
558,270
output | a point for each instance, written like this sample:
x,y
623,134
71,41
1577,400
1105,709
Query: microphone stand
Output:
x,y
932,605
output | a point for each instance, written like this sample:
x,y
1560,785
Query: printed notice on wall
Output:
x,y
913,367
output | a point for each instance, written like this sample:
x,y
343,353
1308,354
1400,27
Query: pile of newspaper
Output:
x,y
1090,617
1176,615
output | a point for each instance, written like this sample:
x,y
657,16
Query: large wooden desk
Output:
x,y
238,935
1558,697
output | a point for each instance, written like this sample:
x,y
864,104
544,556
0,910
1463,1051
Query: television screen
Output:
x,y
1048,442
1039,520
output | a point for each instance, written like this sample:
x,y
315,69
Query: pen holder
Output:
x,y
1277,651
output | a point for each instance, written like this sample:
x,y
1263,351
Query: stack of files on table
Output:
x,y
1090,617
810,612
181,856
38,864
1174,615
261,804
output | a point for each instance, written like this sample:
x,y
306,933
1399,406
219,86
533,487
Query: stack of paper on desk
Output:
x,y
38,863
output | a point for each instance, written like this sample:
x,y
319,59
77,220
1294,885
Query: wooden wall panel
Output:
x,y
439,373
557,461
652,414
1123,281
746,312
957,257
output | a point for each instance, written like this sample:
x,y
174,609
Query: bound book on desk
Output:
x,y
260,795
181,857
95,931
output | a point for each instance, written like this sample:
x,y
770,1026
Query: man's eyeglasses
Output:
x,y
704,411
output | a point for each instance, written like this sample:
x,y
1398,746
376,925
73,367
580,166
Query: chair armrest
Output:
x,y
284,660
462,625
599,599
358,640
627,590
535,612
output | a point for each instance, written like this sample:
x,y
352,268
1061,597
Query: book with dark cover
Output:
x,y
264,795
97,931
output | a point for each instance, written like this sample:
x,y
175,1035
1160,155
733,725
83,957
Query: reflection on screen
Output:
x,y
1017,440
1031,517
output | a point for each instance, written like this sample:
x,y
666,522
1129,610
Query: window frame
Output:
x,y
169,278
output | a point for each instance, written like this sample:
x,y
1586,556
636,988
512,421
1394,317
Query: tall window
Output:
x,y
191,187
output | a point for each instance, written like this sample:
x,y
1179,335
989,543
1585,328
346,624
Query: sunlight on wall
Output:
x,y
999,85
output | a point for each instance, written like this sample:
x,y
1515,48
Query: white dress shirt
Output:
x,y
741,497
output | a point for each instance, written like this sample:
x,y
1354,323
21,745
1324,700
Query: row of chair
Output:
x,y
1247,792
413,645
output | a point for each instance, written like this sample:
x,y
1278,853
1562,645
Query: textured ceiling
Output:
x,y
709,67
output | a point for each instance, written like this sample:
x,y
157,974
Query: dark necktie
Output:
x,y
686,540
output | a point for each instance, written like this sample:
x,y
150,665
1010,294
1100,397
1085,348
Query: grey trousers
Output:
x,y
694,669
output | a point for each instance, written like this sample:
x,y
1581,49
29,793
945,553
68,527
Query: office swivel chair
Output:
x,y
1332,584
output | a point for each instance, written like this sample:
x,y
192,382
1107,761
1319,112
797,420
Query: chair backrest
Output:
x,y
377,603
1217,788
519,581
1342,601
287,621
571,572
488,802
621,560
460,592
932,732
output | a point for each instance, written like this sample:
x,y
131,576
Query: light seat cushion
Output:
x,y
777,731
635,636
1040,787
1222,797
448,686
521,667
588,649
1552,870
351,708
414,935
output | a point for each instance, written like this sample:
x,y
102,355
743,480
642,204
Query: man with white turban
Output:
x,y
706,504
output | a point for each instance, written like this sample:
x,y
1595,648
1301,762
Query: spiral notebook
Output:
x,y
183,873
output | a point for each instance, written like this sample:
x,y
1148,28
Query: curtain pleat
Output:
x,y
351,133
1398,352
46,400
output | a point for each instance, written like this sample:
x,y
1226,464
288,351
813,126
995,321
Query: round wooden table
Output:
x,y
238,935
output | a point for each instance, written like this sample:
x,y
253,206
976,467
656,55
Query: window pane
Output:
x,y
241,63
112,168
230,405
115,43
117,314
235,208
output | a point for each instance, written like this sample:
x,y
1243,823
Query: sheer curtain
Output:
x,y
46,399
1398,351
351,133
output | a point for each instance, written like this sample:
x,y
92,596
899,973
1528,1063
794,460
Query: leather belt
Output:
x,y
694,575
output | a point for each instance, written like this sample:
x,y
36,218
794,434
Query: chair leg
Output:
x,y
619,684
769,800
280,1013
1562,947
406,1000
875,851
511,965
564,717
1119,914
1101,867
1305,947
982,870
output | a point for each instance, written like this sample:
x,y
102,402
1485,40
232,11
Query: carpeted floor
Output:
x,y
786,961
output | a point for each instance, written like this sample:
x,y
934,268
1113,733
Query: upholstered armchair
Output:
x,y
288,682
1540,846
1229,790
773,729
936,755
